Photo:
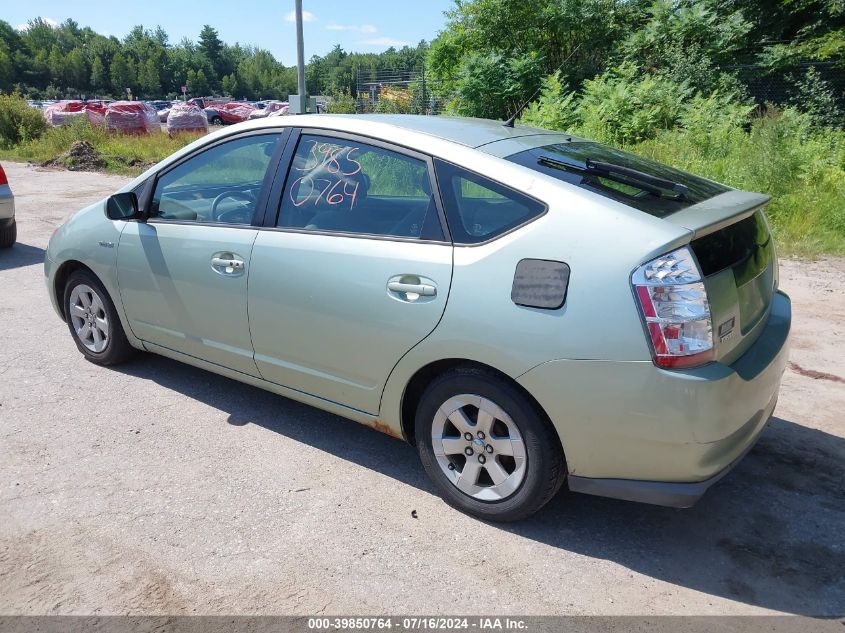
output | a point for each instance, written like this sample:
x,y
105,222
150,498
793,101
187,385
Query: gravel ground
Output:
x,y
157,488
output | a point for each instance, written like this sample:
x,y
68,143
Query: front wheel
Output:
x,y
216,121
93,321
486,447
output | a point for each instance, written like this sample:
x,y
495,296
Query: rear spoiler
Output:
x,y
718,212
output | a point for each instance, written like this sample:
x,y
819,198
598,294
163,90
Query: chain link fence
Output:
x,y
398,90
783,86
409,90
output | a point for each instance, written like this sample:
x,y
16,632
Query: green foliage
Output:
x,y
18,122
815,97
342,104
492,86
556,109
336,72
513,44
622,106
781,154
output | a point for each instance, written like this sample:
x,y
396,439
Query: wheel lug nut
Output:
x,y
468,436
468,450
482,459
488,448
451,466
481,435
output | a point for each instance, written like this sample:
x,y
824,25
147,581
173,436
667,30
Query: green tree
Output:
x,y
122,75
230,85
75,70
197,83
99,79
148,79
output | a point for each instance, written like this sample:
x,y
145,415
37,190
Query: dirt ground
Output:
x,y
157,488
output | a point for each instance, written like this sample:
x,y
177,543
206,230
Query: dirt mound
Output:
x,y
82,156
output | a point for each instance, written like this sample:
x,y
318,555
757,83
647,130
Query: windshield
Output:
x,y
641,183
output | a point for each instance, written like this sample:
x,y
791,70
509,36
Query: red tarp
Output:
x,y
132,117
63,112
234,112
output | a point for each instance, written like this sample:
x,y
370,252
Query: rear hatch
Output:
x,y
730,235
736,254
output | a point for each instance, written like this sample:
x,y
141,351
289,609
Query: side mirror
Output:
x,y
123,206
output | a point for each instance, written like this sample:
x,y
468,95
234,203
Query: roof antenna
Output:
x,y
519,110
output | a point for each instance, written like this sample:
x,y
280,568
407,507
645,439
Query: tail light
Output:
x,y
3,179
673,302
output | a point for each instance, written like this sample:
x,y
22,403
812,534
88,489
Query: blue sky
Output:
x,y
370,26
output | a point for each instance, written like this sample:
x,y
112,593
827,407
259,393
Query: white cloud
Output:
x,y
360,28
385,42
307,16
49,21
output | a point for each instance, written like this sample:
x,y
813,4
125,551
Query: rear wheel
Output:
x,y
93,321
8,234
486,447
216,121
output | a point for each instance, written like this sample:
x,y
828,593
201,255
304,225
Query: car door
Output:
x,y
354,272
183,273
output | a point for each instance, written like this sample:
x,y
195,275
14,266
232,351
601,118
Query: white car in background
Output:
x,y
8,226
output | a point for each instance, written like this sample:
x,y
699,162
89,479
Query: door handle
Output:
x,y
227,264
219,262
424,290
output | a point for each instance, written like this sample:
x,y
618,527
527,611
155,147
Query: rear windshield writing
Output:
x,y
636,183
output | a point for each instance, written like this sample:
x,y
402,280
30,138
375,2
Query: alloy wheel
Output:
x,y
478,447
88,317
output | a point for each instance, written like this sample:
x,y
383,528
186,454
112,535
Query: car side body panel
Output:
x,y
90,238
323,319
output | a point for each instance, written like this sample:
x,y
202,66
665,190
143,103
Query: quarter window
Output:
x,y
479,209
345,186
220,184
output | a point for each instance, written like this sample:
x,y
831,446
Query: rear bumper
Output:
x,y
633,431
665,493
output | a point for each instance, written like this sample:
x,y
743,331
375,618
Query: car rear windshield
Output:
x,y
644,184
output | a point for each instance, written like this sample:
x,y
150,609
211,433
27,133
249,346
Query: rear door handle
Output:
x,y
227,264
424,290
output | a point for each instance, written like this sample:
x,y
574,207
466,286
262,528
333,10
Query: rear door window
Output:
x,y
340,185
644,184
479,209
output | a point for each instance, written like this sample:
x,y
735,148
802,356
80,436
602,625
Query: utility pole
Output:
x,y
300,60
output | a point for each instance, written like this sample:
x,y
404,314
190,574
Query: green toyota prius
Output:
x,y
528,308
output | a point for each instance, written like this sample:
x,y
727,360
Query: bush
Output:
x,y
816,97
342,104
556,109
780,154
622,106
19,122
395,101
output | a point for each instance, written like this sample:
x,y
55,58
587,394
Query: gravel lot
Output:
x,y
157,488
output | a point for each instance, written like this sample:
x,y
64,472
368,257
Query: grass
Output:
x,y
122,154
802,168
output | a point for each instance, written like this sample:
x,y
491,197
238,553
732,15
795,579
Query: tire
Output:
x,y
9,234
521,448
216,121
93,321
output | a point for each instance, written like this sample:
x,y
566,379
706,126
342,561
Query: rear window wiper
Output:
x,y
619,173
